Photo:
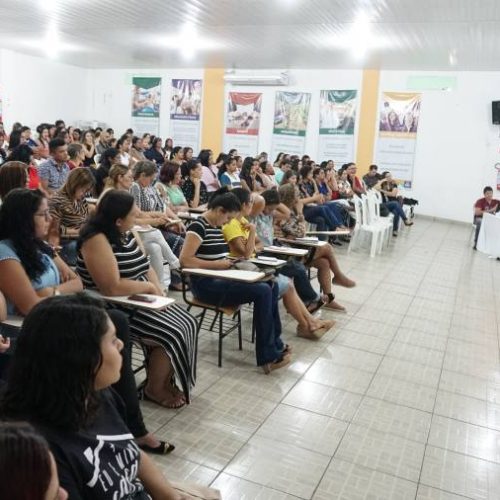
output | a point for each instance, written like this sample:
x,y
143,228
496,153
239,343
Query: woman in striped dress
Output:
x,y
111,260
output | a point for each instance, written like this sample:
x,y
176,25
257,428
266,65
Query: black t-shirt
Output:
x,y
102,461
188,190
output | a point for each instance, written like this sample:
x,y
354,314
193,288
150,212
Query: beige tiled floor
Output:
x,y
401,400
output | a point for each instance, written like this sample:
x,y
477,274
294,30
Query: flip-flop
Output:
x,y
164,448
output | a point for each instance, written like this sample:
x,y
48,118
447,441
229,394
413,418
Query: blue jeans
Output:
x,y
264,296
297,271
395,208
313,214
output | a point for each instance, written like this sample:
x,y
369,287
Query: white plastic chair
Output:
x,y
363,226
374,200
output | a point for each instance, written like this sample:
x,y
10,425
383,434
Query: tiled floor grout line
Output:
x,y
437,392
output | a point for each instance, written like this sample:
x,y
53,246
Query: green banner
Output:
x,y
291,113
337,112
146,96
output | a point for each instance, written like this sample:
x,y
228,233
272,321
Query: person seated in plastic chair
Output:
x,y
485,205
389,190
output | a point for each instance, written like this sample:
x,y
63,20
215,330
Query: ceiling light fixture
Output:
x,y
188,42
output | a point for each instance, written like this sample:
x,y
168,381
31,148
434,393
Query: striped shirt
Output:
x,y
69,213
213,246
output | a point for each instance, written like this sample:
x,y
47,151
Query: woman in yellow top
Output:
x,y
243,242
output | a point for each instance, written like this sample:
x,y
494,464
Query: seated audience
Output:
x,y
152,207
345,189
323,258
169,188
103,142
76,155
389,189
155,152
162,257
24,154
108,158
267,175
43,141
54,171
355,182
243,242
205,248
210,170
13,174
136,151
187,153
485,205
326,217
372,177
290,177
228,173
169,145
111,261
69,211
249,177
29,470
30,271
123,146
71,403
177,155
89,151
194,189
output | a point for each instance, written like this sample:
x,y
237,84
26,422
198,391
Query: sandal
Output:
x,y
164,448
331,304
279,363
287,349
344,281
317,305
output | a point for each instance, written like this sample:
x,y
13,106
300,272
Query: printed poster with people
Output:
x,y
337,120
146,97
185,112
291,112
243,122
397,138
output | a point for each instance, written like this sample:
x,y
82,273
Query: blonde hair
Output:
x,y
114,172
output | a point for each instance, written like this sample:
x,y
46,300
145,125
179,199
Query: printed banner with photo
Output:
x,y
243,122
337,119
185,111
146,97
291,112
398,126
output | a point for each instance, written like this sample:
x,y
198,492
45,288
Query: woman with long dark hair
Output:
x,y
28,467
60,382
111,261
250,178
155,152
108,159
30,272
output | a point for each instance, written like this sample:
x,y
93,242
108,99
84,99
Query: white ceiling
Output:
x,y
405,34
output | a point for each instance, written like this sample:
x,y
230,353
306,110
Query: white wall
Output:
x,y
457,145
36,90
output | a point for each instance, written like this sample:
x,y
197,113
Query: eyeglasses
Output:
x,y
45,214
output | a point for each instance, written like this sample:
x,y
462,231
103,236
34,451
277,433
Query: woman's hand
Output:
x,y
224,264
249,227
4,344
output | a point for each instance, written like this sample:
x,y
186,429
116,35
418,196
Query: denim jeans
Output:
x,y
395,208
264,296
312,214
477,223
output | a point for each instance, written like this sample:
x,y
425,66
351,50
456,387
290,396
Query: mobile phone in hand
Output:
x,y
142,298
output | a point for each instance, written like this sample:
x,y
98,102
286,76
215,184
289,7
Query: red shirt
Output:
x,y
33,181
486,206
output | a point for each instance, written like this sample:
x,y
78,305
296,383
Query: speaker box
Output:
x,y
495,112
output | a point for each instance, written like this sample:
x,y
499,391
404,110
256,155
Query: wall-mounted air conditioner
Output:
x,y
277,79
